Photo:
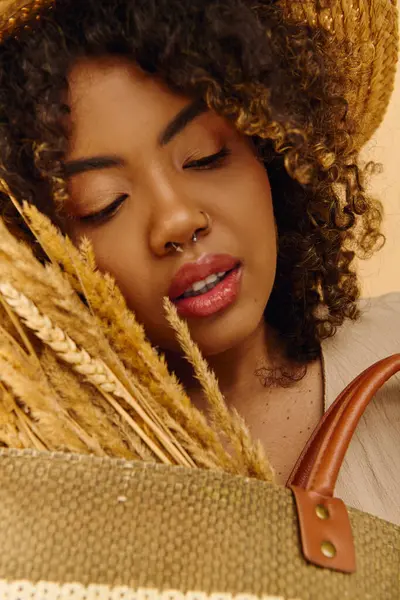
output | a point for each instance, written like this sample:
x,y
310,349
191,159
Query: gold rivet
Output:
x,y
12,21
328,549
322,512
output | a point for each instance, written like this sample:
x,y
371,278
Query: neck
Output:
x,y
239,370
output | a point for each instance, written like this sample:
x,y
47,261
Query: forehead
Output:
x,y
114,99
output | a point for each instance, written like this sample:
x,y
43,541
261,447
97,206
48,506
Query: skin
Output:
x,y
117,111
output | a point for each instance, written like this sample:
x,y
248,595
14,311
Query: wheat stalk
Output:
x,y
87,253
14,320
249,454
27,429
54,426
92,411
24,431
5,189
95,371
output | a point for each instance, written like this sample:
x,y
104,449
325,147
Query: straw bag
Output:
x,y
85,528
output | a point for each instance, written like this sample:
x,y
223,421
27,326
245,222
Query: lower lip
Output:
x,y
219,298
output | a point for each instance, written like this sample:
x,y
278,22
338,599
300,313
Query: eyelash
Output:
x,y
209,162
106,213
213,161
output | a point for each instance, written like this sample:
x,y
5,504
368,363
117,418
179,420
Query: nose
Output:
x,y
177,222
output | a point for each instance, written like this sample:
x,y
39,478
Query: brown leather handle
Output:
x,y
325,529
302,470
318,466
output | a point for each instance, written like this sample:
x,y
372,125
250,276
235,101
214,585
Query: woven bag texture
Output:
x,y
68,519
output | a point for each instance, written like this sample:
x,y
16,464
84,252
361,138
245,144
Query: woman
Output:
x,y
209,153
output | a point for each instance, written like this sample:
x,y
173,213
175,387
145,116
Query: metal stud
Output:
x,y
328,549
322,512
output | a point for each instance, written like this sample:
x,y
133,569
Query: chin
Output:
x,y
220,333
227,331
214,335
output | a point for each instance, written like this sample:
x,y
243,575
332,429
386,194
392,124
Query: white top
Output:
x,y
370,476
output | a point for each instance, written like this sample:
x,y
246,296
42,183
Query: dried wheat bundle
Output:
x,y
104,388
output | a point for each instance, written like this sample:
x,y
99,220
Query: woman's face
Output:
x,y
147,169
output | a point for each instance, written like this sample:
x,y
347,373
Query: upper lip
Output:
x,y
205,266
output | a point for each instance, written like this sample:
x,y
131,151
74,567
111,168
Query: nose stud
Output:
x,y
179,247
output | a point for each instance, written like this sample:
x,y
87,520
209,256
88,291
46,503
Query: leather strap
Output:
x,y
326,536
325,528
302,470
320,462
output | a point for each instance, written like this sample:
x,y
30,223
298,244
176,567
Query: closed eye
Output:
x,y
212,161
106,213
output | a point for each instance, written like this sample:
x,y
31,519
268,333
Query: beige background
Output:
x,y
381,274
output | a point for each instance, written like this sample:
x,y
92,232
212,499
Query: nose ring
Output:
x,y
176,247
195,239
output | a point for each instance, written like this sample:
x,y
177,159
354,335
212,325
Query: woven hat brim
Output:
x,y
371,26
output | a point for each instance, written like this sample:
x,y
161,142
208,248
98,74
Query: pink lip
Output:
x,y
205,266
219,298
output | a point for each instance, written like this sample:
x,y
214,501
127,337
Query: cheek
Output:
x,y
123,257
120,251
251,217
256,229
256,211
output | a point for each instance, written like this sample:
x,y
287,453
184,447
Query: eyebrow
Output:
x,y
188,114
96,163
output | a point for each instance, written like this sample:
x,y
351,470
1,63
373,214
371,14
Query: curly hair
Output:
x,y
277,82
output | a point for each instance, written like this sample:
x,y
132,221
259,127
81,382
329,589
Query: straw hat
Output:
x,y
370,25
